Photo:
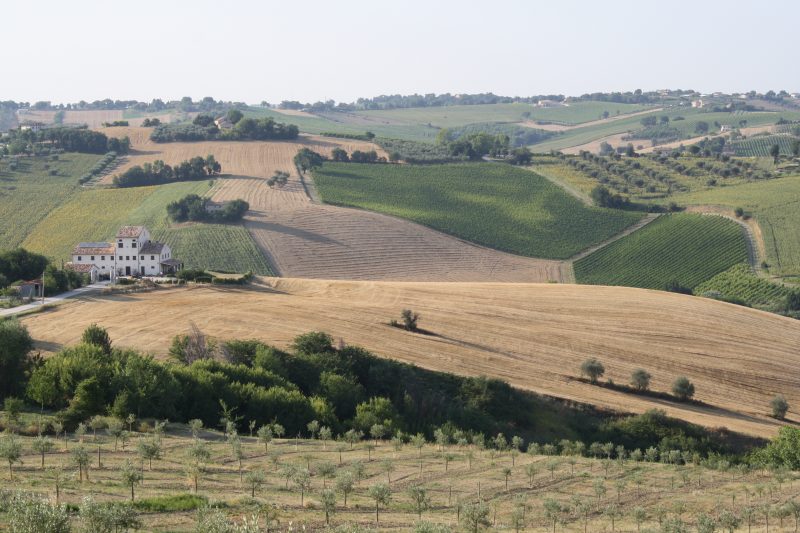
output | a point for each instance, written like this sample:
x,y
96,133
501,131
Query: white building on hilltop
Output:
x,y
133,254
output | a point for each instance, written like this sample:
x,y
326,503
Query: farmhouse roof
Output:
x,y
171,262
75,267
129,232
151,247
93,248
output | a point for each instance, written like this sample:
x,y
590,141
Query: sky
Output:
x,y
253,51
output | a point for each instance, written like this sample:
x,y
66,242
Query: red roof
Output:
x,y
127,232
75,267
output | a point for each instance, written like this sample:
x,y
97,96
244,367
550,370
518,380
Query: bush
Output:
x,y
158,172
593,369
739,212
683,389
171,504
15,345
640,379
779,407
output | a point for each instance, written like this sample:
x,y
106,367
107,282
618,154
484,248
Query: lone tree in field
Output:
x,y
97,336
779,406
683,389
81,459
131,475
593,369
255,479
42,445
419,499
11,451
345,481
382,495
410,319
775,152
307,159
475,516
640,379
328,501
279,179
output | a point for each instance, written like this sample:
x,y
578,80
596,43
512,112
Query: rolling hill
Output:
x,y
533,336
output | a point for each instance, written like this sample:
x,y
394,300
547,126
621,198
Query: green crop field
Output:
x,y
492,204
775,204
96,215
30,192
760,146
348,123
220,247
686,248
739,283
456,116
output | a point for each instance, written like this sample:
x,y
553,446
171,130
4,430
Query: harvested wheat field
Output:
x,y
304,239
532,335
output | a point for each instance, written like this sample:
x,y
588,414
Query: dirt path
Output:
x,y
756,248
534,336
563,127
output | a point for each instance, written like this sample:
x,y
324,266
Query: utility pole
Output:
x,y
43,287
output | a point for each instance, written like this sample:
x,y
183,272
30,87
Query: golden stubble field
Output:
x,y
534,336
303,238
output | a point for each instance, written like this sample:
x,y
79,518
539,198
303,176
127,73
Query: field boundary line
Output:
x,y
583,197
630,229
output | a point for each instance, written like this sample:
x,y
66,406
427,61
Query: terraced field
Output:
x,y
533,336
492,204
686,248
761,146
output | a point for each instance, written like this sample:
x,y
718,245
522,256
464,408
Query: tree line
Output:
x,y
344,388
203,128
81,140
21,265
195,208
158,172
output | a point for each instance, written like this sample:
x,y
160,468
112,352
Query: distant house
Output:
x,y
223,123
92,271
133,254
697,103
549,103
31,125
725,128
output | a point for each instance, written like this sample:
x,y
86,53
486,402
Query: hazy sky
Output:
x,y
251,51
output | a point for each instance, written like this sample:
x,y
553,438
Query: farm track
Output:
x,y
532,335
304,239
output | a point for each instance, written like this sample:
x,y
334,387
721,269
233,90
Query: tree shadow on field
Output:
x,y
47,346
294,232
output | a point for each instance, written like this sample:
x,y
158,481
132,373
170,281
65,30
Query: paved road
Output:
x,y
53,299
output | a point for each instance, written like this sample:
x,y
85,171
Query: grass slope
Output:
x,y
29,193
686,248
492,204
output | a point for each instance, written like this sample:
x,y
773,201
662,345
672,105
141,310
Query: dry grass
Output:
x,y
680,490
305,239
533,336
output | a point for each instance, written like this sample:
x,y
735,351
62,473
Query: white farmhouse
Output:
x,y
133,254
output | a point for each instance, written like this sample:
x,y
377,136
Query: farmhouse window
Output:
x,y
102,258
120,258
133,244
79,258
152,258
127,258
142,257
119,244
92,258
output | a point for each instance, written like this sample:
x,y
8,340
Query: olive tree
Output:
x,y
592,369
682,388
